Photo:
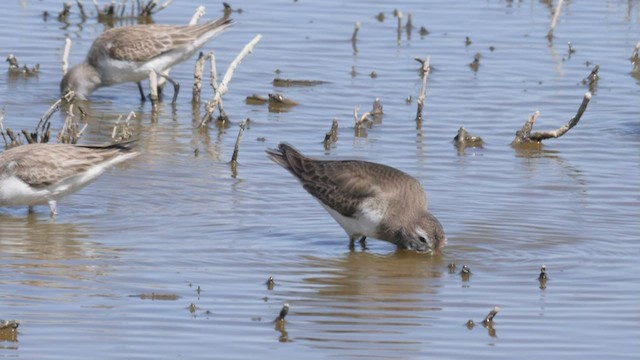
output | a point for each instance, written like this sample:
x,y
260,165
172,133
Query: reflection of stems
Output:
x,y
554,20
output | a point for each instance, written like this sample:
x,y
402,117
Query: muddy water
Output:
x,y
167,256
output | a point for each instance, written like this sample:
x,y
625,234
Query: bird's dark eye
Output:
x,y
422,239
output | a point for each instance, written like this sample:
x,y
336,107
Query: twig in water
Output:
x,y
377,108
222,89
66,9
426,68
122,131
354,37
355,32
197,15
214,85
197,77
362,119
635,58
283,312
554,20
332,135
65,55
236,148
524,135
399,27
488,320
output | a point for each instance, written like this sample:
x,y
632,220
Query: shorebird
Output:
x,y
38,174
367,199
129,53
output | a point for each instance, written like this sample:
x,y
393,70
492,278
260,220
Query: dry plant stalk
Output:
x,y
524,135
332,135
360,121
65,56
426,69
399,27
635,58
222,89
122,130
70,132
236,148
355,32
197,77
554,20
197,15
488,320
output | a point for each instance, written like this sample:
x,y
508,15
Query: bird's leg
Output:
x,y
176,87
142,97
53,207
363,242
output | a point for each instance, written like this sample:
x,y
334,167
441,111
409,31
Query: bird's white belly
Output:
x,y
14,191
118,71
363,223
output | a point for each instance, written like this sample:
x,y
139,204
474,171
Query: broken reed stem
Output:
x,y
488,320
222,89
236,148
6,144
635,58
125,132
52,109
539,136
214,84
153,87
359,121
355,32
65,56
399,27
554,19
283,312
332,135
197,15
426,68
197,77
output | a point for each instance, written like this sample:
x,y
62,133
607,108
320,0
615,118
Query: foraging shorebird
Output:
x,y
367,199
130,53
38,174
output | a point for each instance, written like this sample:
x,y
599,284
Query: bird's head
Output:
x,y
82,79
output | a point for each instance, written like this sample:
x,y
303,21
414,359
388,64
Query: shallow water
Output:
x,y
115,273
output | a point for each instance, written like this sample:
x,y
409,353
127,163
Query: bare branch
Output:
x,y
426,69
554,20
222,89
539,136
65,56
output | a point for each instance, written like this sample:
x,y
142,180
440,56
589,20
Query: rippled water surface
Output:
x,y
167,256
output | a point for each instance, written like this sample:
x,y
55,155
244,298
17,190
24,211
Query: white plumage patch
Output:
x,y
364,222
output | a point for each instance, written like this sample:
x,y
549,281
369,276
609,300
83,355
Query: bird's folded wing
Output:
x,y
341,185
